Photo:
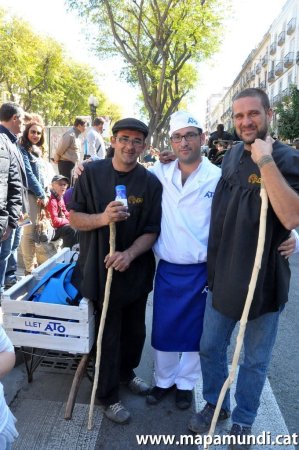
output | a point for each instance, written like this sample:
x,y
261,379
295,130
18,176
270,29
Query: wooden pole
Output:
x,y
75,386
244,317
101,327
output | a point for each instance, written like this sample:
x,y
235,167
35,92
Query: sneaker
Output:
x,y
117,413
183,398
238,430
138,386
201,422
156,394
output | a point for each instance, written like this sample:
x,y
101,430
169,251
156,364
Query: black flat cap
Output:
x,y
130,124
59,178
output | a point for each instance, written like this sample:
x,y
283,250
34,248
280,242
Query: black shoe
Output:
x,y
183,398
11,282
237,430
201,422
156,394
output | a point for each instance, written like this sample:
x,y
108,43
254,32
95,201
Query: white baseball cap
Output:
x,y
182,119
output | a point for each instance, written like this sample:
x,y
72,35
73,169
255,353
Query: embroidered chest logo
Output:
x,y
254,179
135,200
209,194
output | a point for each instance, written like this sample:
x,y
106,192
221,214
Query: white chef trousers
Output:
x,y
181,369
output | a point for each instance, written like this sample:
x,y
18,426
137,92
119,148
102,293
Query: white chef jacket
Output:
x,y
186,212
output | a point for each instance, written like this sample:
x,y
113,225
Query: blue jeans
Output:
x,y
12,263
5,251
259,340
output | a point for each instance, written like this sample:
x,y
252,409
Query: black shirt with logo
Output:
x,y
93,191
234,234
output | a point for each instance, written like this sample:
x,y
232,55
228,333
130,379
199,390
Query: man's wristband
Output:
x,y
264,160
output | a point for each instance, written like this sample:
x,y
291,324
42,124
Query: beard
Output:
x,y
259,134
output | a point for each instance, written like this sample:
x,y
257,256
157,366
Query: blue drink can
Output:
x,y
121,194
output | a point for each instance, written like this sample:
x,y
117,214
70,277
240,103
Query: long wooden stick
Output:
x,y
244,317
75,386
101,327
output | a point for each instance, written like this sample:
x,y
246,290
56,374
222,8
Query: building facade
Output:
x,y
272,66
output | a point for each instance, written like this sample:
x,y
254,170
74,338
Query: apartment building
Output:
x,y
272,66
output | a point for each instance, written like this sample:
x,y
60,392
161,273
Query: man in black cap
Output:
x,y
92,209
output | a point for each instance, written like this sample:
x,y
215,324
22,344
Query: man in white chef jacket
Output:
x,y
180,291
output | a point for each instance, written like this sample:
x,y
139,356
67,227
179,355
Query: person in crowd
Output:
x,y
296,143
59,214
67,196
8,432
180,290
10,196
95,141
46,168
31,146
219,134
151,156
92,209
68,150
221,147
109,152
11,118
231,253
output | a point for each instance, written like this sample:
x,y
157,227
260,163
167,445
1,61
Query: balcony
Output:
x,y
291,26
271,76
258,68
264,60
273,48
286,92
252,75
281,38
262,85
279,69
289,60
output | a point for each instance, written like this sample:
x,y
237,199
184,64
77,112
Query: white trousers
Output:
x,y
182,369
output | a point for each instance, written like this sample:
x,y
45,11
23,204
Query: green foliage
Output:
x,y
36,71
288,115
160,42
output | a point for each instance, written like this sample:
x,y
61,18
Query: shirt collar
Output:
x,y
12,137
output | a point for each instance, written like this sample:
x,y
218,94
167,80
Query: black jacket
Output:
x,y
10,186
20,166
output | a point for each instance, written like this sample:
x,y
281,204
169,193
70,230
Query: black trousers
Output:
x,y
122,345
68,235
65,168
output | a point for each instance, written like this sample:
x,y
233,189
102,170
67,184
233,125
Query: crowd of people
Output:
x,y
189,213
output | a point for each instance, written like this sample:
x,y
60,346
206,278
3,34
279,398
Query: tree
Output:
x,y
160,42
36,72
287,112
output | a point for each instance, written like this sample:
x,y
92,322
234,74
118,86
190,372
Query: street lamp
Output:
x,y
93,104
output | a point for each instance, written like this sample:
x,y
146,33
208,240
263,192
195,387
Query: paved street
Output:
x,y
39,406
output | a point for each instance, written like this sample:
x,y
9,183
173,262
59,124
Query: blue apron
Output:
x,y
179,304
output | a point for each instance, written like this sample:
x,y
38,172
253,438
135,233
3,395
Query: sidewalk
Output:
x,y
39,408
